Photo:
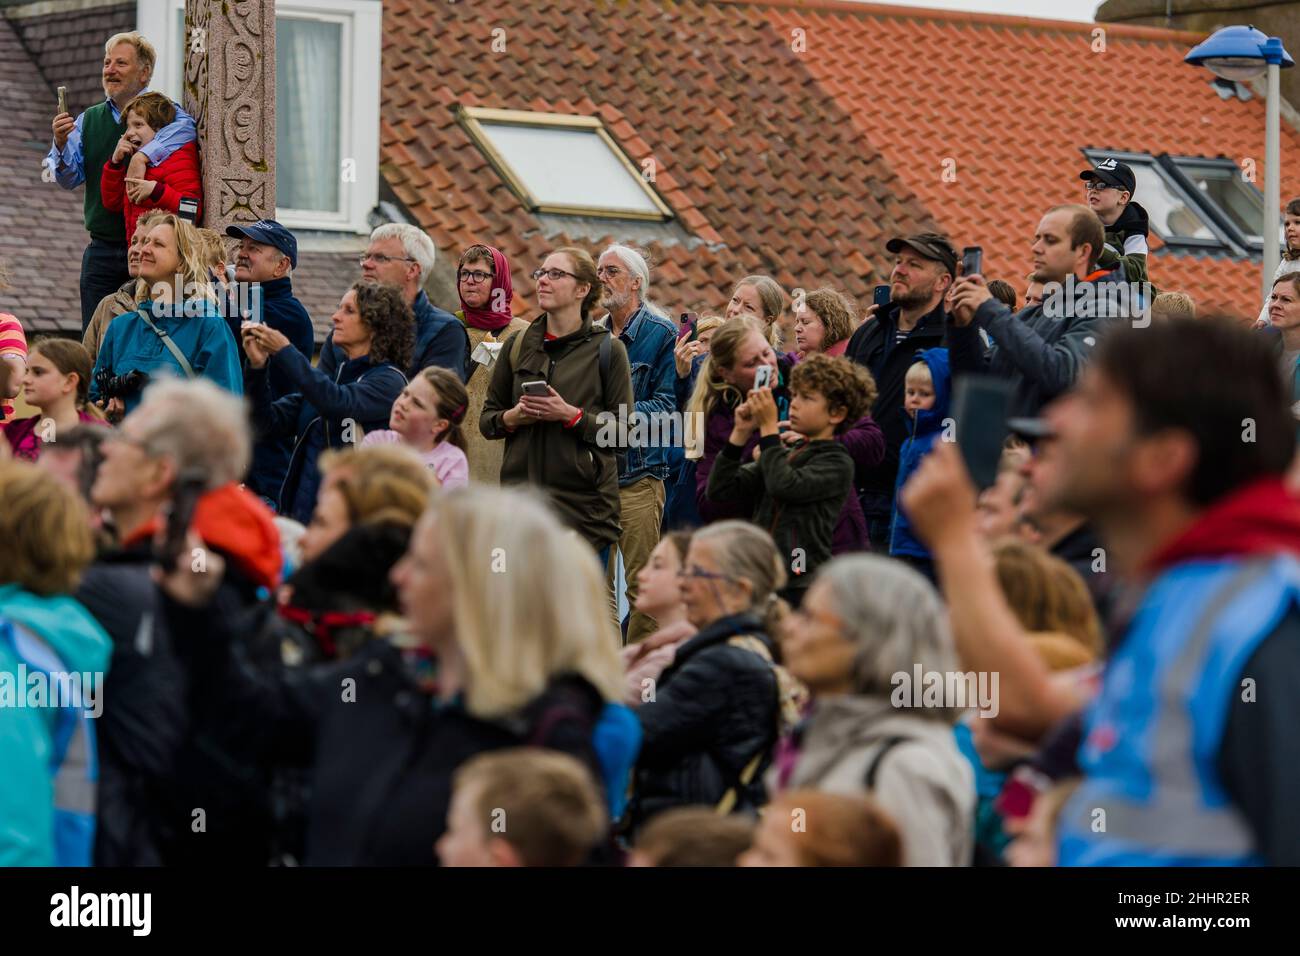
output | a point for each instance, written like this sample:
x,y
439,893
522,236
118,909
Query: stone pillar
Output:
x,y
229,89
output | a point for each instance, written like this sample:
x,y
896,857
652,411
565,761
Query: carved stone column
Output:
x,y
230,92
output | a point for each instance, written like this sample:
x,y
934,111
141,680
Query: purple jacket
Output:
x,y
865,443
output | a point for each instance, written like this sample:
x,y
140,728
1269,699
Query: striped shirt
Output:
x,y
12,342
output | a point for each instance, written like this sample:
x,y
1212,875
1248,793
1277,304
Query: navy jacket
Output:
x,y
281,310
317,415
649,340
440,339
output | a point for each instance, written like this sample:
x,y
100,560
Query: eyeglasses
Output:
x,y
695,571
608,272
555,275
382,260
1096,185
473,275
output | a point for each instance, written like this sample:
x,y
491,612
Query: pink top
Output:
x,y
447,461
12,342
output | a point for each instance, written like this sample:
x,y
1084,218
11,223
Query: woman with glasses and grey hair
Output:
x,y
871,641
710,720
557,391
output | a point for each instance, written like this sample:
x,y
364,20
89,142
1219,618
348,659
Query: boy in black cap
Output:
x,y
1110,186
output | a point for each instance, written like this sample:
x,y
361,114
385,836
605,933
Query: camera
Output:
x,y
120,386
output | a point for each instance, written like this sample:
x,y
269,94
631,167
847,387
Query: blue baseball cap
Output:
x,y
269,233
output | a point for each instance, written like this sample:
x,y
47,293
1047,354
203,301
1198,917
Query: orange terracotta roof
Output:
x,y
804,164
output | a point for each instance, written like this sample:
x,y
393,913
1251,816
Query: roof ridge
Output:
x,y
1123,30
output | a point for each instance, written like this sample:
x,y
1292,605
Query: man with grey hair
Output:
x,y
649,339
402,255
82,147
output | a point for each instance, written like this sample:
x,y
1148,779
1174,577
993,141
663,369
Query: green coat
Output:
x,y
576,467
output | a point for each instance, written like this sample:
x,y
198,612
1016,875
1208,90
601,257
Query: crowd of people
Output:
x,y
366,606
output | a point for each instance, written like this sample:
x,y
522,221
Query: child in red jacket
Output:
x,y
135,188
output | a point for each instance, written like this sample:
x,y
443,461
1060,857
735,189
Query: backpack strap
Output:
x,y
172,347
606,347
869,778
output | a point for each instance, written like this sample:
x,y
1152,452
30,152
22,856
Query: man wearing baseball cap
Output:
x,y
1110,186
267,254
924,267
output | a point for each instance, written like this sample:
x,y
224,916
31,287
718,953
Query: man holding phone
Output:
x,y
88,141
887,343
1042,349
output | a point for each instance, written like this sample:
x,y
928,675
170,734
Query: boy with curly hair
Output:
x,y
801,478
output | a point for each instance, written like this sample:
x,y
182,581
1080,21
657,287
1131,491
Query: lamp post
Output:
x,y
1241,53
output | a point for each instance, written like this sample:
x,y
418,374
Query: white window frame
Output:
x,y
472,118
358,91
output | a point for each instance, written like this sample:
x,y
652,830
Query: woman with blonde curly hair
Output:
x,y
176,328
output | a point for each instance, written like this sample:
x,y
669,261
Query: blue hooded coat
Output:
x,y
926,428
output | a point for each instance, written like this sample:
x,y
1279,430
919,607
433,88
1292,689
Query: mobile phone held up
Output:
x,y
190,485
537,389
763,376
979,409
689,329
972,261
880,296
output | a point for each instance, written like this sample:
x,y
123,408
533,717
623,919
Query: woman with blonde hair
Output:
x,y
1051,601
176,328
763,297
718,708
47,751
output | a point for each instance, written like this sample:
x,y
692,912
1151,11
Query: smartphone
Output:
x,y
763,376
979,408
190,485
188,209
880,296
972,260
689,329
537,389
63,99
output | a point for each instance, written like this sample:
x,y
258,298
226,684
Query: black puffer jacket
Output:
x,y
715,707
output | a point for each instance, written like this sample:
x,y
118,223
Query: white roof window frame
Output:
x,y
361,22
1179,168
473,118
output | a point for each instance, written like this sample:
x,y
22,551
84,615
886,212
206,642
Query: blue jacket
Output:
x,y
325,411
48,754
649,339
1152,793
280,309
204,340
926,428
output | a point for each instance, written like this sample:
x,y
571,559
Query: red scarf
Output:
x,y
487,319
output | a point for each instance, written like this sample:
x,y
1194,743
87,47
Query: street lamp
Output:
x,y
1241,54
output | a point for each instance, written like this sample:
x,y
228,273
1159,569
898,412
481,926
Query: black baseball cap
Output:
x,y
1113,173
929,244
269,233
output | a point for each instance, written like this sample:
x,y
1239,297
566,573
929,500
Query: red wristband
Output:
x,y
576,418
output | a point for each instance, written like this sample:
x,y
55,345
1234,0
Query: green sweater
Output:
x,y
99,136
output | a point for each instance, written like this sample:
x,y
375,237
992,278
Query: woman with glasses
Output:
x,y
483,281
866,623
557,390
374,330
715,712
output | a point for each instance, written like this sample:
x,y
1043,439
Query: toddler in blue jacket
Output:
x,y
926,397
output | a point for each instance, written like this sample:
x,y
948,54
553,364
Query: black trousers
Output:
x,y
103,270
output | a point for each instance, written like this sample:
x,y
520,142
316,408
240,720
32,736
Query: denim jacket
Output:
x,y
649,340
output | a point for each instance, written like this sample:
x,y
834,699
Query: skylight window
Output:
x,y
562,164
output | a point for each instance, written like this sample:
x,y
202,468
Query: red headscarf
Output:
x,y
488,319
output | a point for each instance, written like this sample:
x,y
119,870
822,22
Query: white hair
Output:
x,y
635,262
197,424
415,242
145,54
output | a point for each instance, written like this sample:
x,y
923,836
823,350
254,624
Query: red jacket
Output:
x,y
178,175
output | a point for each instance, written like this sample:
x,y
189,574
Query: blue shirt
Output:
x,y
69,167
649,340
